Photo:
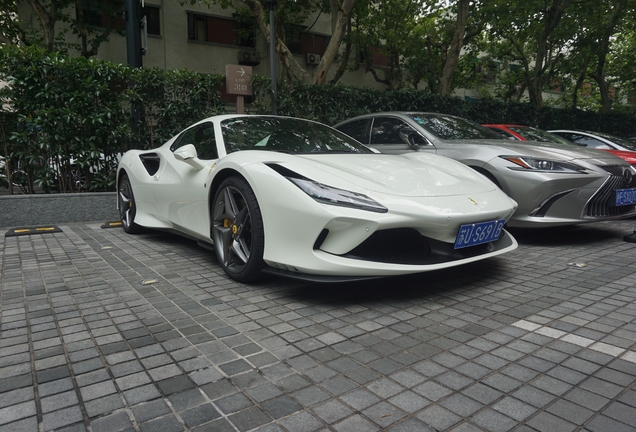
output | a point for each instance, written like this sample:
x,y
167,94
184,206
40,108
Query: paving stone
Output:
x,y
61,418
302,422
150,410
103,405
281,406
332,411
249,419
493,421
438,418
233,403
17,412
199,415
548,422
360,399
409,402
164,424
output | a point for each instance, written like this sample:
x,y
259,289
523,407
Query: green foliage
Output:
x,y
335,103
67,119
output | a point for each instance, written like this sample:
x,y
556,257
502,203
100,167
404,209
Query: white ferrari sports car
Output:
x,y
300,199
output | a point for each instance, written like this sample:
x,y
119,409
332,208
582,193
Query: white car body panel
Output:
x,y
433,196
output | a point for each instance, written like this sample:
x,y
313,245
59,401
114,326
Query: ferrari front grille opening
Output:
x,y
395,246
321,238
603,203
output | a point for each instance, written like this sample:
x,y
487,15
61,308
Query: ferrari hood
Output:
x,y
547,150
395,175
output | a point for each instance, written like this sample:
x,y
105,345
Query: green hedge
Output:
x,y
332,104
65,120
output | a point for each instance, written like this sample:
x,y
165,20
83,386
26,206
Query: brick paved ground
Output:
x,y
102,331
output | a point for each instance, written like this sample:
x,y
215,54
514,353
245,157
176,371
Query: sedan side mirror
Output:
x,y
411,139
188,154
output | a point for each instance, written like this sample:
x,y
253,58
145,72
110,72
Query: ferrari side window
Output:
x,y
186,137
387,131
205,142
203,139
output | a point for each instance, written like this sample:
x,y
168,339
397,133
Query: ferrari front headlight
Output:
x,y
546,165
339,197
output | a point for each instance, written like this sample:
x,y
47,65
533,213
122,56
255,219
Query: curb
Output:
x,y
23,210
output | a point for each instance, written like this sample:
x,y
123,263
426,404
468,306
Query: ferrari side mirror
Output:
x,y
188,154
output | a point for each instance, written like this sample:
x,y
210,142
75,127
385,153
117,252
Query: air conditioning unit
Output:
x,y
250,58
313,59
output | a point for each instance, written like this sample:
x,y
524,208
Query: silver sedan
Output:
x,y
553,184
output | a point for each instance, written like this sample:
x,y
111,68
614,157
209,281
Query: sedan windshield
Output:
x,y
532,134
453,128
620,142
287,135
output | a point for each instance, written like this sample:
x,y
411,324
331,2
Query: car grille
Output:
x,y
396,246
602,203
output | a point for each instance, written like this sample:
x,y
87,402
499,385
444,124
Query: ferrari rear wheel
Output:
x,y
127,206
237,230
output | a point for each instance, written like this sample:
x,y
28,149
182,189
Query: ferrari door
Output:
x,y
181,188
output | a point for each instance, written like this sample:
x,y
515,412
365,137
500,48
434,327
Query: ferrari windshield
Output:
x,y
453,128
287,135
532,134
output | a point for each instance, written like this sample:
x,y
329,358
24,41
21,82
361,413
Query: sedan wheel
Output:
x,y
237,230
127,206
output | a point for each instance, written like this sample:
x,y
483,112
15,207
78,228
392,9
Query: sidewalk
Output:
x,y
103,331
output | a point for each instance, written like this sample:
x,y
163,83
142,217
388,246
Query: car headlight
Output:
x,y
547,165
339,197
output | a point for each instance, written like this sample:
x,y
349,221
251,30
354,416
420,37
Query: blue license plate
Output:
x,y
479,233
625,197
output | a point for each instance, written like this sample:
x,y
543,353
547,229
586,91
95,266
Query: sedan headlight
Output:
x,y
546,165
339,197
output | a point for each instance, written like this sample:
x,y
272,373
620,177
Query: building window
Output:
x,y
101,13
226,31
152,19
301,42
373,54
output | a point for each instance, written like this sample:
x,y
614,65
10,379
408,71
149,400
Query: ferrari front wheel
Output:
x,y
237,230
127,206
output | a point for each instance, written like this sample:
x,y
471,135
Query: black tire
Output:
x,y
237,230
127,206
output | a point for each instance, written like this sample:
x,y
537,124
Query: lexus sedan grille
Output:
x,y
602,204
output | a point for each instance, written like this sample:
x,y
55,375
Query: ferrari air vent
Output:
x,y
285,172
396,246
151,162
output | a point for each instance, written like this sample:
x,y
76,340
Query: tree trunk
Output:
x,y
48,20
603,49
340,19
579,82
455,48
552,20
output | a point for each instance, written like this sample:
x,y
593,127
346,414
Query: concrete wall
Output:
x,y
44,209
